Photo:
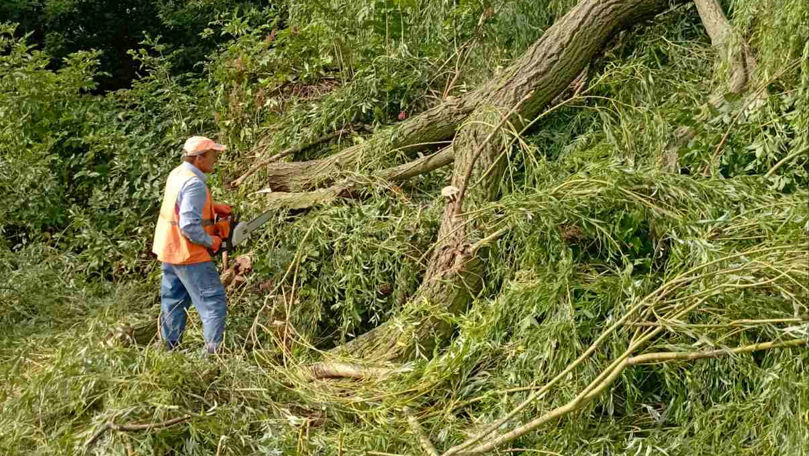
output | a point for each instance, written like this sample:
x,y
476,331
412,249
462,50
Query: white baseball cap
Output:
x,y
198,145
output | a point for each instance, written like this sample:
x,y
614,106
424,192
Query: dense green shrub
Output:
x,y
84,173
602,204
62,27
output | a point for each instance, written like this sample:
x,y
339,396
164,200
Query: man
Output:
x,y
185,237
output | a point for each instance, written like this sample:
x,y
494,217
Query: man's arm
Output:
x,y
193,195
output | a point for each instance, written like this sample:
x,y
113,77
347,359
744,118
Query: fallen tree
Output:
x,y
479,122
455,271
547,68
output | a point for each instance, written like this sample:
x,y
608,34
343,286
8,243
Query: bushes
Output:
x,y
592,224
113,28
85,173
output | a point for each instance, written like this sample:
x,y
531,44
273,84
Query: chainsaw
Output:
x,y
233,232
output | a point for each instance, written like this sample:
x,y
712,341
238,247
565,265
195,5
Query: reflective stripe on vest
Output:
x,y
170,245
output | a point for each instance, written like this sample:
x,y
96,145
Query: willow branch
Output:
x,y
345,370
603,382
134,427
738,56
305,200
476,154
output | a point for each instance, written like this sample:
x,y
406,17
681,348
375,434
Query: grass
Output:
x,y
593,232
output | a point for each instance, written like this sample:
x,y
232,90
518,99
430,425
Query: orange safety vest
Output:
x,y
170,245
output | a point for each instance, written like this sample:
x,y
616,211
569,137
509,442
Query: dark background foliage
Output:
x,y
114,28
96,99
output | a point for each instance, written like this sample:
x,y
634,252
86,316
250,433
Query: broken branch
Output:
x,y
305,200
345,370
738,55
134,427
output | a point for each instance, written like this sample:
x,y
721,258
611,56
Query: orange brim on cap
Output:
x,y
197,145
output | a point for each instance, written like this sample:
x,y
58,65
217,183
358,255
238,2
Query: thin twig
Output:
x,y
134,427
662,357
785,160
220,445
730,324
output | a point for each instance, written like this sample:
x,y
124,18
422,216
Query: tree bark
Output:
x,y
455,272
735,52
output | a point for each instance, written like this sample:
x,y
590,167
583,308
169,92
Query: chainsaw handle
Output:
x,y
227,241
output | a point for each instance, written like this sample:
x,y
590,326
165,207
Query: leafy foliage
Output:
x,y
606,202
113,28
82,172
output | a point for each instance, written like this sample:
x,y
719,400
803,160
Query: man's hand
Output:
x,y
222,228
216,243
222,210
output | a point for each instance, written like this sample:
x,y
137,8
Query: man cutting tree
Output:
x,y
185,237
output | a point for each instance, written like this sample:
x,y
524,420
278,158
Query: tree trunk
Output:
x,y
455,272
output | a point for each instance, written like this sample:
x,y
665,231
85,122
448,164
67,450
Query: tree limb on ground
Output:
x,y
287,152
604,381
134,427
416,429
454,274
414,134
330,369
306,200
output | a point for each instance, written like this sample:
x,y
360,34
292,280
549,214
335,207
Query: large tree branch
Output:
x,y
305,200
419,166
414,134
287,152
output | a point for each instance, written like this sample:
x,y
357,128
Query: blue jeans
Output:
x,y
183,284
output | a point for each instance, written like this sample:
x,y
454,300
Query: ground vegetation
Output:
x,y
557,227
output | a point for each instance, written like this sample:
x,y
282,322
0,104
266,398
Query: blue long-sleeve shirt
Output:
x,y
191,200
